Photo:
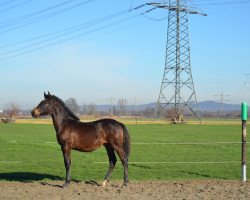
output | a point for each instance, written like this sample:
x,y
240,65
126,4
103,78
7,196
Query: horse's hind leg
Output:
x,y
124,159
112,162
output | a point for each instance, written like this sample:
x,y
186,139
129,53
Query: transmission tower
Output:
x,y
221,98
177,87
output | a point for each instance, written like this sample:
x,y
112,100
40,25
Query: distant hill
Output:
x,y
214,106
203,106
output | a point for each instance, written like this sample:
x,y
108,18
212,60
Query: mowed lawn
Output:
x,y
29,152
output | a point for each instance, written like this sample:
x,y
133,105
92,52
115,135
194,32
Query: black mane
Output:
x,y
69,113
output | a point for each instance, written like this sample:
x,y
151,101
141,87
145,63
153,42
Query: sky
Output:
x,y
95,50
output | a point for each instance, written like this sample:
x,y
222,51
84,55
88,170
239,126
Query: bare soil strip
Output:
x,y
209,189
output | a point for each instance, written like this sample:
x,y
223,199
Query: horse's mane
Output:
x,y
68,111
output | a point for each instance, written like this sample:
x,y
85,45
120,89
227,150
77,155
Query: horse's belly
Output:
x,y
88,147
85,149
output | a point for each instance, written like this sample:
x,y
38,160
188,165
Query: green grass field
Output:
x,y
29,152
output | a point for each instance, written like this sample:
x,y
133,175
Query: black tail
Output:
x,y
126,140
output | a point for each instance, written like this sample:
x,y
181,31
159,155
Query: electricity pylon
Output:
x,y
177,87
221,98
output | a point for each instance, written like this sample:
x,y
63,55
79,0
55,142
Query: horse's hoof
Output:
x,y
125,184
104,183
65,185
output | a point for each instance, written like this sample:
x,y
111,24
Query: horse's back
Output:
x,y
108,121
107,126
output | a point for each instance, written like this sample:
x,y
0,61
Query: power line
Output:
x,y
236,96
69,29
7,2
152,18
28,19
242,92
131,4
15,6
16,20
65,32
55,35
221,4
242,95
89,39
218,3
66,39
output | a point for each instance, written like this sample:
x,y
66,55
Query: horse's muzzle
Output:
x,y
35,113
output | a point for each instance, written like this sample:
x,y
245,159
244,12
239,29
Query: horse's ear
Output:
x,y
49,95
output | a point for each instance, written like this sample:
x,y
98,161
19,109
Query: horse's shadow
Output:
x,y
27,176
196,174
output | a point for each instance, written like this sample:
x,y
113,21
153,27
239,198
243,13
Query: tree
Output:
x,y
91,109
148,112
13,109
72,105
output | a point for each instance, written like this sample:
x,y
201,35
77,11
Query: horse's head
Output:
x,y
45,107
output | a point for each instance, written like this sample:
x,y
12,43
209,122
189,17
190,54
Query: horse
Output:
x,y
71,133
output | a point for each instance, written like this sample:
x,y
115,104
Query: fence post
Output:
x,y
244,116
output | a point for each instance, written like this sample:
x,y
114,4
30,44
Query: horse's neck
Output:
x,y
59,117
57,123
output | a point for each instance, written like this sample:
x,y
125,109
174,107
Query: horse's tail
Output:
x,y
126,141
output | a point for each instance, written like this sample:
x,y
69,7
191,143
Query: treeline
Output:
x,y
121,108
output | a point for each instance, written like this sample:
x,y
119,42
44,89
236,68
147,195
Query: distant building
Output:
x,y
1,112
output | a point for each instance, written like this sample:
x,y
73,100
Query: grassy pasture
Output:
x,y
158,152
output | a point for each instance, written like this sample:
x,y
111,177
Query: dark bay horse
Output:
x,y
85,137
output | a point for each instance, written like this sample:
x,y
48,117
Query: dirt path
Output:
x,y
215,189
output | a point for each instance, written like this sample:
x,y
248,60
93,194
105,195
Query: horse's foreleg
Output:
x,y
112,162
67,162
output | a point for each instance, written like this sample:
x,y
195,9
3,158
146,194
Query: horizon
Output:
x,y
115,104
